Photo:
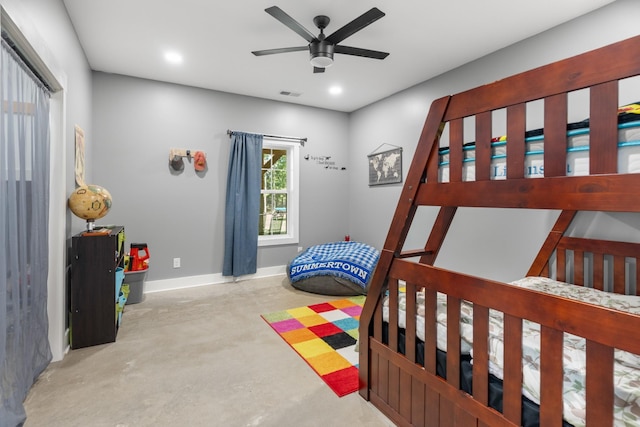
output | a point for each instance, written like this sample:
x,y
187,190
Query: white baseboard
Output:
x,y
207,279
65,347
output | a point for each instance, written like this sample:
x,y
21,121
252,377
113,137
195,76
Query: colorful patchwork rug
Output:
x,y
325,336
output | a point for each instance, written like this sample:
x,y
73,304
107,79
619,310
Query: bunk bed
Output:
x,y
414,376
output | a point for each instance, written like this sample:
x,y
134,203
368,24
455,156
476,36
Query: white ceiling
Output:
x,y
424,38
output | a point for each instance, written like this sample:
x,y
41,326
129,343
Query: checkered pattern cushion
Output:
x,y
349,260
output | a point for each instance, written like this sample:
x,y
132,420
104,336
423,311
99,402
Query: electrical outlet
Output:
x,y
176,263
299,248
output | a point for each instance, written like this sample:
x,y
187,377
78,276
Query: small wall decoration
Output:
x,y
385,167
177,155
325,162
79,166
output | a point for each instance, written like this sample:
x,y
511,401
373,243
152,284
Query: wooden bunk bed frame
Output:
x,y
412,394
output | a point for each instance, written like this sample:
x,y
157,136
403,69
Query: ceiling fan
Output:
x,y
321,48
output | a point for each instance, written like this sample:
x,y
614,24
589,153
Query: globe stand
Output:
x,y
91,225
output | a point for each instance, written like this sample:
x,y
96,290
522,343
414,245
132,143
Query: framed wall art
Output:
x,y
385,167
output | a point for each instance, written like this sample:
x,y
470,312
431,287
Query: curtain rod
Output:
x,y
291,138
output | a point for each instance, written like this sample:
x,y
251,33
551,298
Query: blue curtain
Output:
x,y
242,209
24,219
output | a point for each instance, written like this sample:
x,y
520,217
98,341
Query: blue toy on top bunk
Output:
x,y
339,268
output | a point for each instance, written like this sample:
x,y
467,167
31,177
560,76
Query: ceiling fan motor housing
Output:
x,y
321,53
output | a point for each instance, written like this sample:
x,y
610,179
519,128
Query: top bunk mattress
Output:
x,y
577,150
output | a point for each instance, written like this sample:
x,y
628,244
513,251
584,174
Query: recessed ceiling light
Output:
x,y
335,90
173,57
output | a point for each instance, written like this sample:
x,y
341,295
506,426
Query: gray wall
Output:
x,y
497,244
137,122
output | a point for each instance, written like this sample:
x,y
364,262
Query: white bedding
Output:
x,y
626,367
577,155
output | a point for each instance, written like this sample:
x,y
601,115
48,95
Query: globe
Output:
x,y
90,202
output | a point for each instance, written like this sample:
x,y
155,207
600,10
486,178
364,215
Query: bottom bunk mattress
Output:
x,y
626,366
338,268
530,409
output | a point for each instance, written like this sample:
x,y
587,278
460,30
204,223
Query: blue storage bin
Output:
x,y
119,280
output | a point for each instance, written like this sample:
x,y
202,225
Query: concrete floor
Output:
x,y
196,357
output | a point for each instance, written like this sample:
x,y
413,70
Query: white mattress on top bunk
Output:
x,y
577,155
626,367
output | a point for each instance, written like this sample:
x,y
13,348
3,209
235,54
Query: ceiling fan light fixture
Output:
x,y
321,54
322,60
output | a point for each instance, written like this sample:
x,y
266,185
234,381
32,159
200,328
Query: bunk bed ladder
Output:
x,y
427,149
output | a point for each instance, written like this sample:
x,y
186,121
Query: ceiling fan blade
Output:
x,y
318,70
279,50
287,20
356,25
356,51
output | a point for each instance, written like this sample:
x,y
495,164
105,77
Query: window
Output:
x,y
279,193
